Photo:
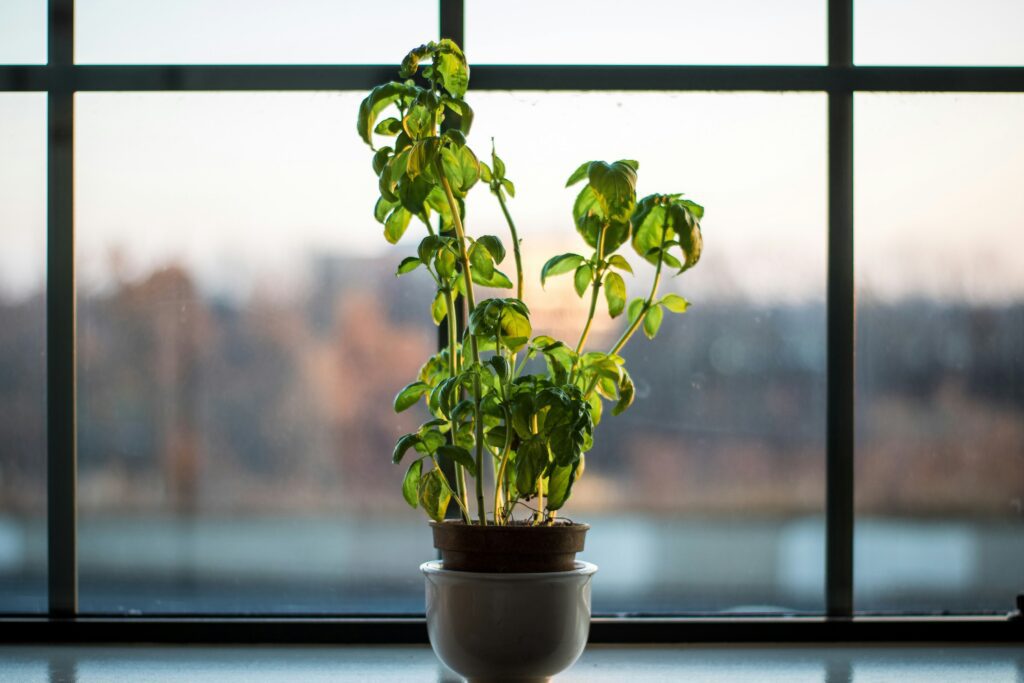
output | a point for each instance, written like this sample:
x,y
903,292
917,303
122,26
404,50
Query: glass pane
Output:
x,y
940,329
939,32
23,32
647,32
708,493
23,352
250,31
235,424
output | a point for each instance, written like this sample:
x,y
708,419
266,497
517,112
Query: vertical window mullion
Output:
x,y
840,300
61,429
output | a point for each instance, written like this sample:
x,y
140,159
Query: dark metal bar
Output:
x,y
839,412
453,21
530,77
219,630
60,327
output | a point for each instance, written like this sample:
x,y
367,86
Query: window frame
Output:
x,y
60,78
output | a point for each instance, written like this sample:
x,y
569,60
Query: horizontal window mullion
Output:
x,y
516,77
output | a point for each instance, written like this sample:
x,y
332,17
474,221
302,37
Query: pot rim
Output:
x,y
435,567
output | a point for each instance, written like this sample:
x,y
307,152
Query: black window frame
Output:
x,y
839,79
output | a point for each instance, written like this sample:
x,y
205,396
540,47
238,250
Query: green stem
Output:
x,y
500,479
453,369
647,303
437,466
467,276
515,243
539,517
598,272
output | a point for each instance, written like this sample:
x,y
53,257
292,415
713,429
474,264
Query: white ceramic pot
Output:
x,y
498,628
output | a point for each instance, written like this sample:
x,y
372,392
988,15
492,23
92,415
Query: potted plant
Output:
x,y
511,413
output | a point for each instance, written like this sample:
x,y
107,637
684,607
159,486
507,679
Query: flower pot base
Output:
x,y
508,627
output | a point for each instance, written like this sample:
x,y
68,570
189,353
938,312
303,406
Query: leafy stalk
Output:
x,y
648,302
437,466
474,350
515,242
500,478
596,291
453,361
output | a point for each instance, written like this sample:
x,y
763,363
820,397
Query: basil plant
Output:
x,y
492,416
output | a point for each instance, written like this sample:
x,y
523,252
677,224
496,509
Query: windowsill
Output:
x,y
600,663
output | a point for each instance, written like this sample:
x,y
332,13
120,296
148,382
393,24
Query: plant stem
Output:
x,y
539,517
500,478
467,276
437,466
648,302
598,272
515,243
453,368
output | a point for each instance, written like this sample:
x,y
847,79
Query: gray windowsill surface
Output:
x,y
599,664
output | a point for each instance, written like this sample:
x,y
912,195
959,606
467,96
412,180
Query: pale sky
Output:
x,y
246,186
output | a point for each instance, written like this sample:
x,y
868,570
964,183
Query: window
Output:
x,y
215,290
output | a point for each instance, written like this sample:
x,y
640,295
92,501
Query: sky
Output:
x,y
243,187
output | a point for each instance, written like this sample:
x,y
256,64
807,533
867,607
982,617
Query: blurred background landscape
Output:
x,y
241,333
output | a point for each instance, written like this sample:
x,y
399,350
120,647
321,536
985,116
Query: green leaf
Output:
x,y
428,247
501,367
460,455
396,224
408,264
382,208
670,260
389,126
615,293
373,104
627,393
413,194
582,279
579,174
615,235
652,321
531,461
404,444
461,168
560,485
465,118
615,187
431,439
493,245
451,66
675,303
588,215
636,307
498,280
434,495
444,263
439,309
421,157
693,207
509,187
409,396
411,62
620,262
418,122
386,185
485,172
411,482
455,136
557,265
380,159
481,261
499,165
